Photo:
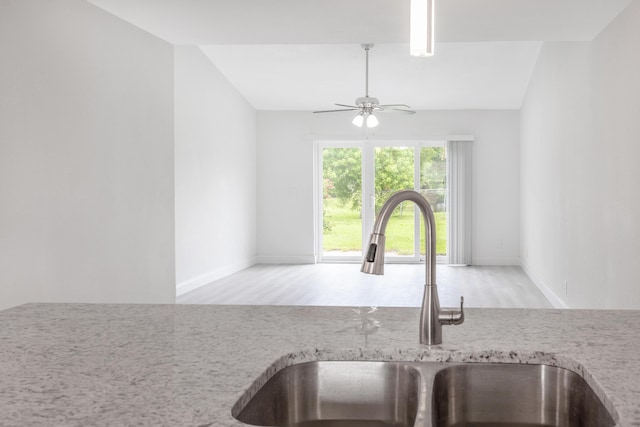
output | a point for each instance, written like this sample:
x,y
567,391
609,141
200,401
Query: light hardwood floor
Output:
x,y
344,285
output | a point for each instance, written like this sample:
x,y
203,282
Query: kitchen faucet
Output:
x,y
432,317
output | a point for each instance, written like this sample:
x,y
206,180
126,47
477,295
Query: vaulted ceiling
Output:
x,y
306,54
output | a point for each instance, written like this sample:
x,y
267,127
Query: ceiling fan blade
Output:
x,y
348,106
397,110
394,105
334,111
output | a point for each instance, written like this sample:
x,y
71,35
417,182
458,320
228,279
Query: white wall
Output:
x,y
86,157
286,162
580,174
215,176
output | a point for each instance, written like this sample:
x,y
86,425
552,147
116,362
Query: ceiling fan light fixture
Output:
x,y
372,121
359,120
421,28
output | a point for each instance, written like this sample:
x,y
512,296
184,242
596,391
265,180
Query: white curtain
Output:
x,y
459,201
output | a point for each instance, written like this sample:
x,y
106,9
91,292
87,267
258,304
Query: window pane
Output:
x,y
393,171
342,201
433,185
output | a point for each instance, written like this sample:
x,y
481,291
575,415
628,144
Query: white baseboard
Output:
x,y
287,259
189,285
496,261
556,301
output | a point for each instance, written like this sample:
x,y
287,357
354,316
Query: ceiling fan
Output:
x,y
366,105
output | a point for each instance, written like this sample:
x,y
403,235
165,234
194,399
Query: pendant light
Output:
x,y
421,28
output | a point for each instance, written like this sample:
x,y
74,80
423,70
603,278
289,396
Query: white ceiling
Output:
x,y
306,55
314,77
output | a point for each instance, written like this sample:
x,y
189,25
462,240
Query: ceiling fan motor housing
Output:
x,y
367,102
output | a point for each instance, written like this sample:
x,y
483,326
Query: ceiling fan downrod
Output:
x,y
366,47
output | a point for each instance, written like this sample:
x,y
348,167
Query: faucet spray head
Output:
x,y
373,262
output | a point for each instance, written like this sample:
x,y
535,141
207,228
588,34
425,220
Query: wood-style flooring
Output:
x,y
344,285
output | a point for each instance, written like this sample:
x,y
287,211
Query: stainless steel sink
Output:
x,y
490,395
424,394
337,394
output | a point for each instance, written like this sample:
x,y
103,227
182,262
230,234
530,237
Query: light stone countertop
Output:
x,y
187,365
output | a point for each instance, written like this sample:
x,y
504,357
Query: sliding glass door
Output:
x,y
433,186
394,170
341,202
356,178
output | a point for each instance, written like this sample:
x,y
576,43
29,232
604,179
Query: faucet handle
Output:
x,y
452,316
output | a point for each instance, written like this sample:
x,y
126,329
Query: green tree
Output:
x,y
342,168
433,176
433,167
394,172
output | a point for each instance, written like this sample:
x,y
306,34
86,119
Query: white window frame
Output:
x,y
320,145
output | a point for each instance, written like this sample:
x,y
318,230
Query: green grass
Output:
x,y
346,230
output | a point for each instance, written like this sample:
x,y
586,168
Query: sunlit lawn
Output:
x,y
346,230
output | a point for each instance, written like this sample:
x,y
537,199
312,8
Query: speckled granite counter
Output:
x,y
177,365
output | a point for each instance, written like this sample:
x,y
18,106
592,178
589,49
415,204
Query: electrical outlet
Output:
x,y
566,287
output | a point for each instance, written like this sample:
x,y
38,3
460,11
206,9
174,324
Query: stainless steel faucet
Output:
x,y
432,317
